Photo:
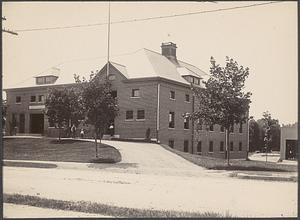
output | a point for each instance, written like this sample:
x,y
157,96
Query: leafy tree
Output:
x,y
63,106
98,103
274,131
223,100
254,135
3,113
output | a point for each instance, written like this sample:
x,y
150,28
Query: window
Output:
x,y
171,119
197,81
211,146
172,95
140,114
211,127
241,128
199,146
32,98
186,146
40,80
186,122
171,143
41,98
199,125
111,77
231,146
135,93
187,97
114,93
240,146
48,79
222,129
231,129
18,99
129,115
222,146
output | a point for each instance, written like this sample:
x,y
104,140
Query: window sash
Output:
x,y
172,94
135,93
129,115
140,114
211,146
18,99
171,119
33,98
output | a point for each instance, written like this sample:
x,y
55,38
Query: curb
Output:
x,y
268,178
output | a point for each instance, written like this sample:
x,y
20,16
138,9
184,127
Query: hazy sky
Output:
x,y
263,38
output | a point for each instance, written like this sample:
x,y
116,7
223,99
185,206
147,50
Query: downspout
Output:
x,y
157,113
193,109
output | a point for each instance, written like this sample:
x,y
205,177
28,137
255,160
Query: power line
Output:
x,y
10,32
149,18
7,30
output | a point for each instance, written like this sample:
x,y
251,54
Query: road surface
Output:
x,y
151,177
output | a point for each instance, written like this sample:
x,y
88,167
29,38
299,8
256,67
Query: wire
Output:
x,y
149,18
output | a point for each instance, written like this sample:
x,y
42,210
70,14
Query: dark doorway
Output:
x,y
22,123
291,151
37,123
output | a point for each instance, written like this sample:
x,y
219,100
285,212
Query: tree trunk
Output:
x,y
96,143
227,145
59,134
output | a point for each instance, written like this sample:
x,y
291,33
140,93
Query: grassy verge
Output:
x,y
221,164
89,207
28,164
45,149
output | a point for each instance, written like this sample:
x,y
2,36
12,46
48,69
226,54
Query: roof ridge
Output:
x,y
193,66
117,63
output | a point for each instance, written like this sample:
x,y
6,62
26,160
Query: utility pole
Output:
x,y
7,30
108,38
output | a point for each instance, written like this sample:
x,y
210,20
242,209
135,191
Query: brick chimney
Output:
x,y
169,50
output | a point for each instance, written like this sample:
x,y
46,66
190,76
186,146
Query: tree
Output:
x,y
254,135
4,112
63,106
267,122
98,103
223,100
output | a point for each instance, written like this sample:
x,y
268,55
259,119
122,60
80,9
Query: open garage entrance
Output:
x,y
37,123
291,151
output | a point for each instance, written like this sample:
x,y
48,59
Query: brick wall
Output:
x,y
178,134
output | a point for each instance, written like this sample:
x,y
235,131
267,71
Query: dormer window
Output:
x,y
46,79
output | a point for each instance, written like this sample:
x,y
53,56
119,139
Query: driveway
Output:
x,y
150,177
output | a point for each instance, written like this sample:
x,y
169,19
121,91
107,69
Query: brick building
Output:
x,y
153,91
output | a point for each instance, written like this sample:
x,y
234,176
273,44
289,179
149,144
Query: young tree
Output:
x,y
99,105
223,100
63,106
254,135
271,124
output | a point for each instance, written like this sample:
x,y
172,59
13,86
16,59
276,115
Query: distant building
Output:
x,y
153,91
289,142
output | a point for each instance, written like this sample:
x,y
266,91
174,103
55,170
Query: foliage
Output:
x,y
64,106
254,135
268,122
99,105
4,112
223,100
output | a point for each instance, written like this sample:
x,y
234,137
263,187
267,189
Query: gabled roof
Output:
x,y
143,63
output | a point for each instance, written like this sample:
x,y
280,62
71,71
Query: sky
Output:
x,y
263,38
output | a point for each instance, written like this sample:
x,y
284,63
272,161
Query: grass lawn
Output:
x,y
69,150
221,164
